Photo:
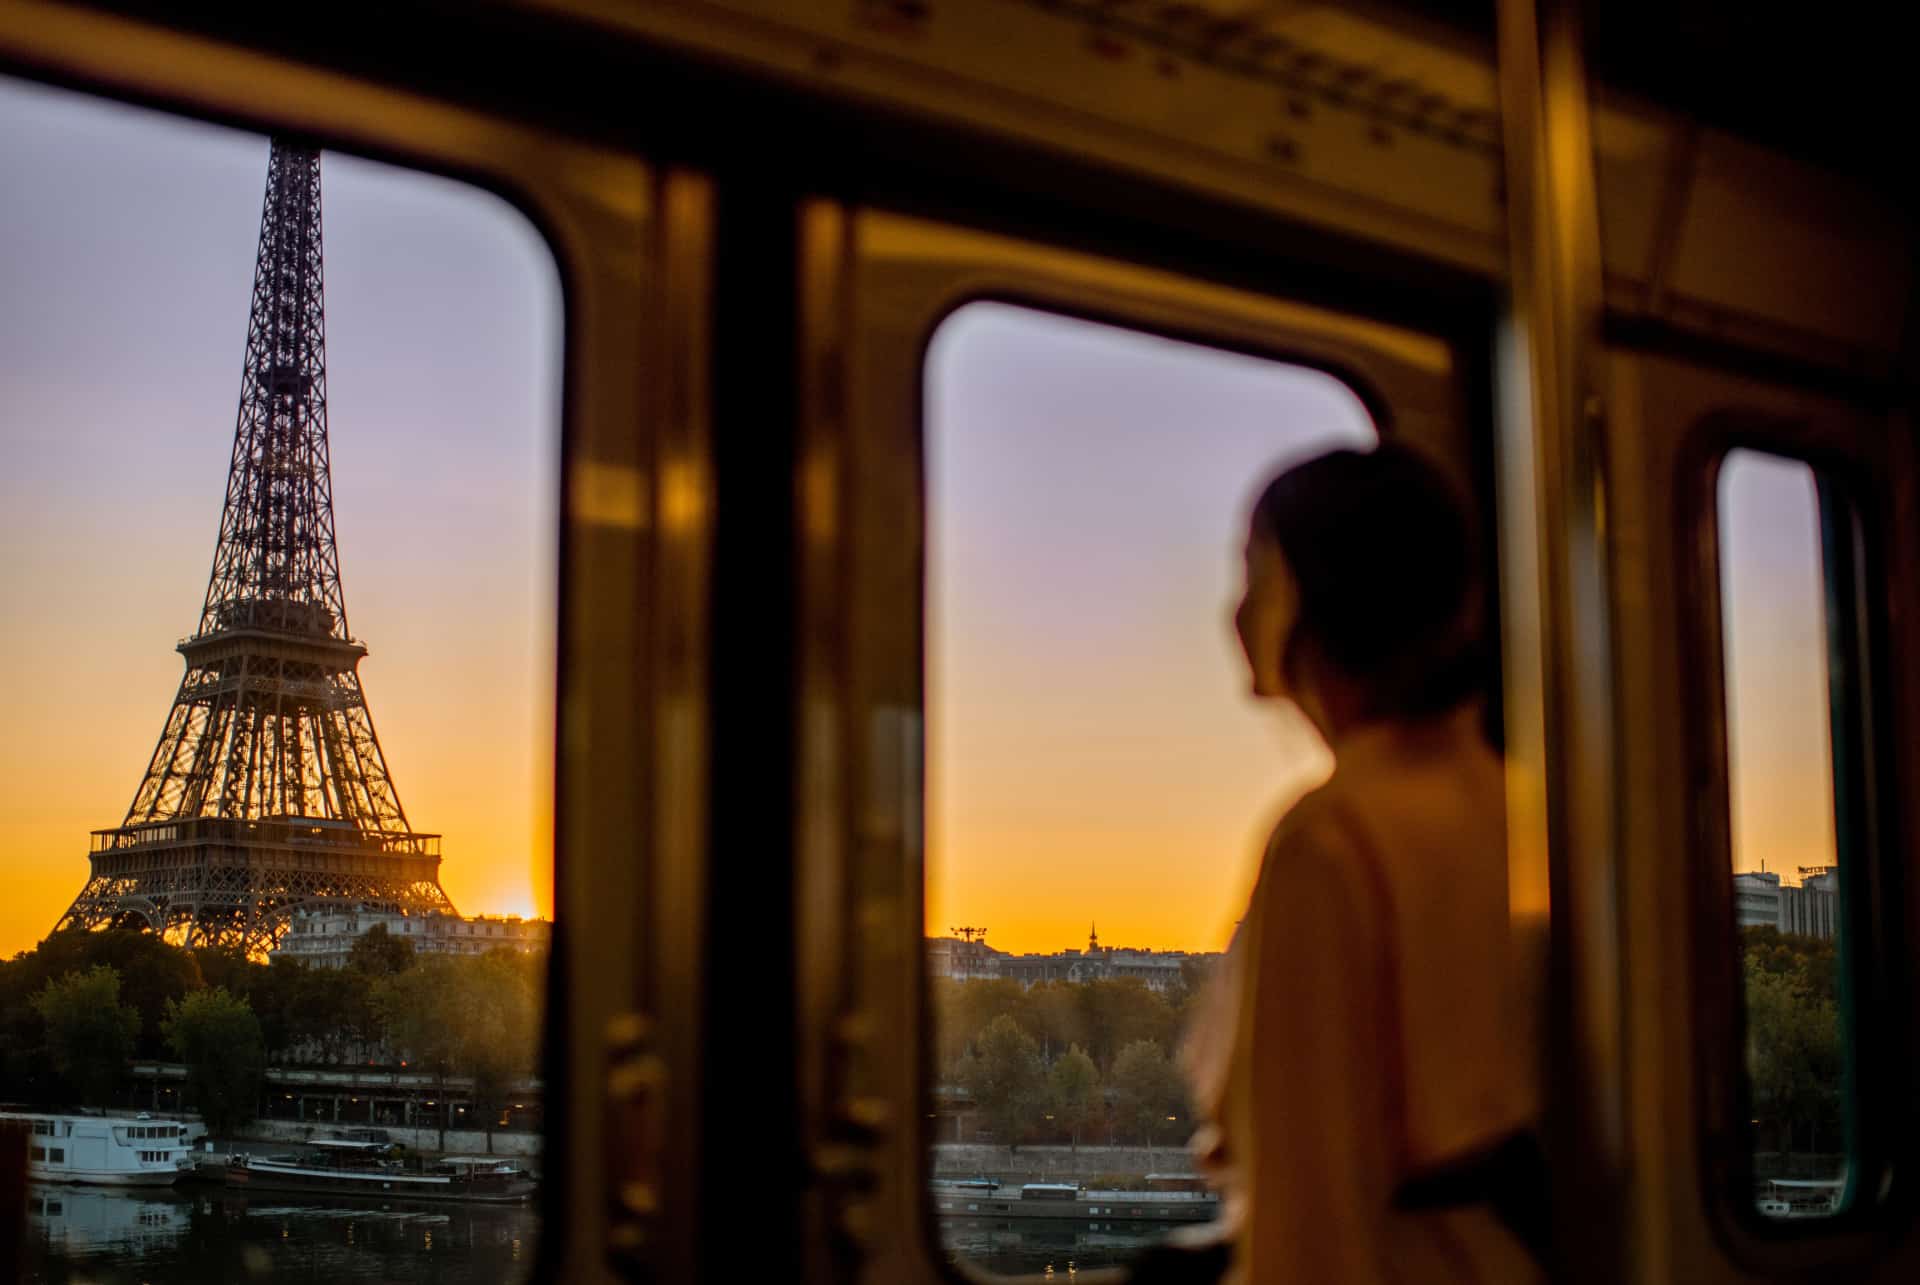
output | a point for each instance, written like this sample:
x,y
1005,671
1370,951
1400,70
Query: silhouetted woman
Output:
x,y
1368,1061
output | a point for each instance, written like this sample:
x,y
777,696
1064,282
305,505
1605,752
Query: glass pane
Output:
x,y
1786,863
1099,784
280,970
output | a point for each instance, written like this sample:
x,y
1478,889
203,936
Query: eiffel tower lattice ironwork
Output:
x,y
268,791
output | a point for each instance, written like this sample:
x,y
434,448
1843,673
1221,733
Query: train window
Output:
x,y
1778,616
1098,784
232,903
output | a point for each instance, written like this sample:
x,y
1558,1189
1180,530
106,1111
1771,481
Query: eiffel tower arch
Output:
x,y
268,791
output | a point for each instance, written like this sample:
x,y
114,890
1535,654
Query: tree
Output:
x,y
978,1003
226,966
90,1034
1146,1090
274,991
23,1057
420,1011
1059,1017
1794,1058
331,1010
499,1013
950,1035
217,1036
1186,999
477,1017
1074,1088
151,972
1123,1011
1006,1079
378,953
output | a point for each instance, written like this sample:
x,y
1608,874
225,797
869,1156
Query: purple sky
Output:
x,y
1092,751
124,290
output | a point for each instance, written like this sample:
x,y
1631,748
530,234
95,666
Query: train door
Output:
x,y
1714,335
882,536
1762,551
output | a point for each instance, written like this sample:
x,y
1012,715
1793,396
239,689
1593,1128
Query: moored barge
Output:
x,y
978,1198
339,1167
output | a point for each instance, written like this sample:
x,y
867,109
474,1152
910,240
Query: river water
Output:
x,y
108,1236
1037,1246
105,1236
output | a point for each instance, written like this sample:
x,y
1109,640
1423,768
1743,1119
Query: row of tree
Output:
x,y
77,1008
1021,1097
1102,1017
1061,1060
1796,1062
1067,1062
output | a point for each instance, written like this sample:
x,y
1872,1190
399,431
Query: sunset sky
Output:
x,y
1773,610
1092,753
124,289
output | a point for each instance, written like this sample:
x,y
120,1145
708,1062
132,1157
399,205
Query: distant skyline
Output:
x,y
124,295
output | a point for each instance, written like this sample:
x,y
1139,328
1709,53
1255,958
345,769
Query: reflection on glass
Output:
x,y
269,979
1787,891
1099,784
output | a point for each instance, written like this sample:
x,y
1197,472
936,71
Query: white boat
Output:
x,y
109,1150
1803,1198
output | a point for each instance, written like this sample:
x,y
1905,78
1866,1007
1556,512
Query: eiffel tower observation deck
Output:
x,y
268,791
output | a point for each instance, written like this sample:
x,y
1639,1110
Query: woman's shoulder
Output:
x,y
1318,877
1315,832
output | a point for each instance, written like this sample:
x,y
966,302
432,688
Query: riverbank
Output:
x,y
1100,1166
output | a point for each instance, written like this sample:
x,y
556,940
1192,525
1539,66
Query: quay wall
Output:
x,y
1053,1163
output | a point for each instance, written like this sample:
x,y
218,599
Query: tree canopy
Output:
x,y
1073,1088
1006,1079
476,1016
216,1035
62,1043
1052,1060
88,1033
378,953
1795,1056
1149,1101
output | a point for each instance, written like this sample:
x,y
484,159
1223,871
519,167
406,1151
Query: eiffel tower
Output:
x,y
268,791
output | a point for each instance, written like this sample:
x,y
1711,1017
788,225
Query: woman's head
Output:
x,y
1363,592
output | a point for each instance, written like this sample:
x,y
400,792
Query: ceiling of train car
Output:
x,y
1820,84
1368,55
1828,85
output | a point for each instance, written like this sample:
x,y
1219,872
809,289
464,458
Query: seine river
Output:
x,y
1034,1246
104,1236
